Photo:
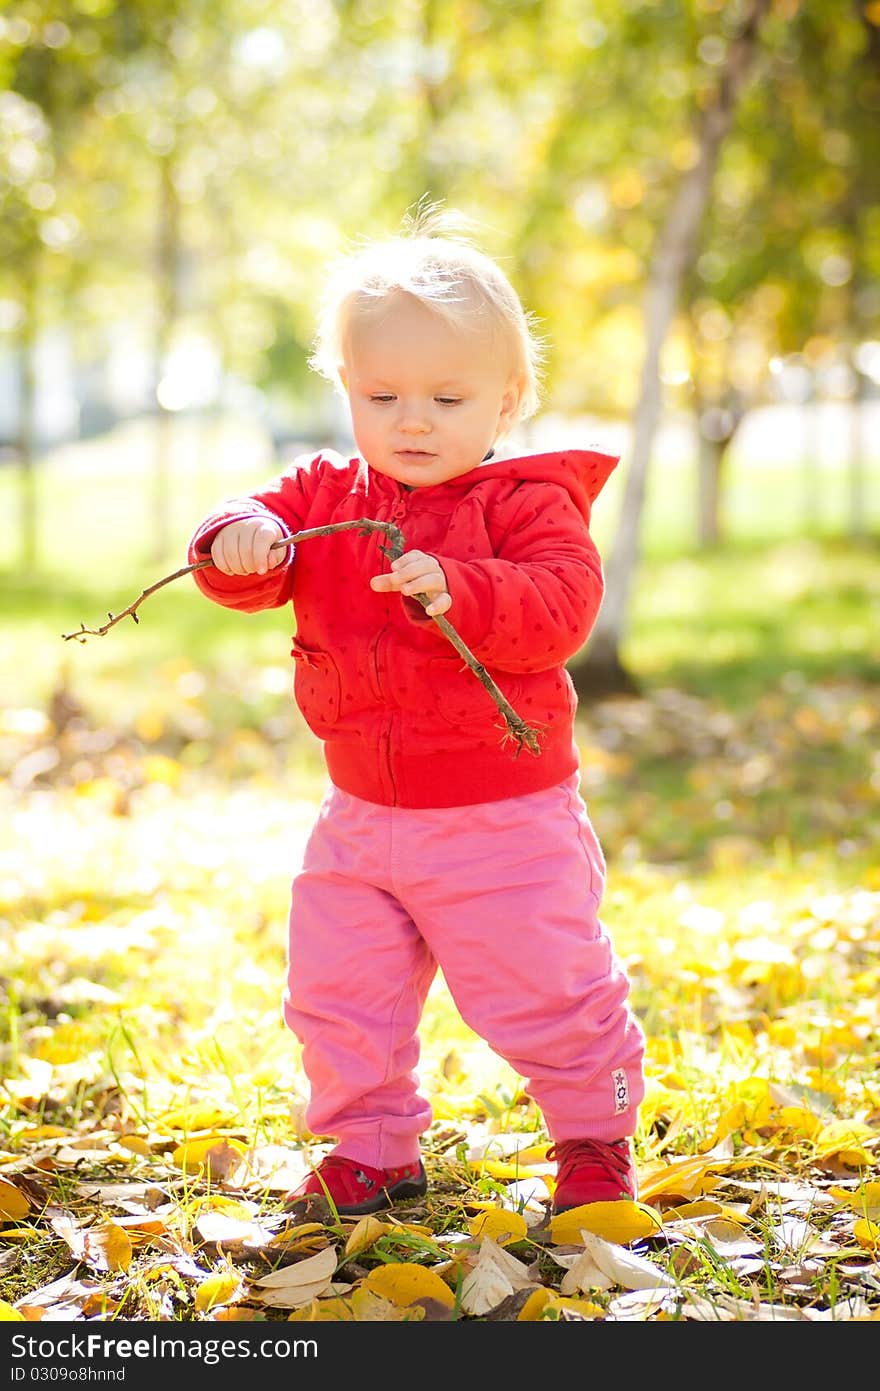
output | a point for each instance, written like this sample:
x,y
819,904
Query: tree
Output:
x,y
599,670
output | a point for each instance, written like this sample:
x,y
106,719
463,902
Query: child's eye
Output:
x,y
382,398
448,400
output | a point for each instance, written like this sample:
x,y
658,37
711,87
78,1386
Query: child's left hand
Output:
x,y
417,573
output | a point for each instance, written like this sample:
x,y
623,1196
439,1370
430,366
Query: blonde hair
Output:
x,y
433,259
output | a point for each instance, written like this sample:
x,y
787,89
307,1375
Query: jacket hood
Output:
x,y
583,472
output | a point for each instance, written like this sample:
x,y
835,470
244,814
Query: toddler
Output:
x,y
438,845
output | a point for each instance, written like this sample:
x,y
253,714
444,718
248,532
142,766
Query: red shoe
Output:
x,y
592,1171
354,1189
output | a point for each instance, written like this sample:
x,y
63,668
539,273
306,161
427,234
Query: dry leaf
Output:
x,y
500,1225
44,1132
219,1229
14,1205
371,1307
405,1282
845,1141
220,1288
107,1247
365,1234
195,1117
215,1154
867,1234
294,1285
729,1239
493,1276
865,1200
66,1293
686,1178
332,1310
543,1300
620,1221
137,1144
605,1264
793,1234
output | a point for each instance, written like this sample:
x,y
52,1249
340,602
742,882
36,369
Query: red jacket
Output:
x,y
403,720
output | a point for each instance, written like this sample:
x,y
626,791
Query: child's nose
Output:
x,y
413,420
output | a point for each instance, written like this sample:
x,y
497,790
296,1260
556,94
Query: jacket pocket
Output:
x,y
461,699
317,687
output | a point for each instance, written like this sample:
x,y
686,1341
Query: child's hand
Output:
x,y
417,573
244,548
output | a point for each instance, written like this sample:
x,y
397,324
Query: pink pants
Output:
x,y
503,897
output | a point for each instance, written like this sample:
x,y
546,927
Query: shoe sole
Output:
x,y
386,1198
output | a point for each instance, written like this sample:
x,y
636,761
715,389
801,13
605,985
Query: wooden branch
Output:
x,y
523,735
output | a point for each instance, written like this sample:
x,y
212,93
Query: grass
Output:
x,y
737,803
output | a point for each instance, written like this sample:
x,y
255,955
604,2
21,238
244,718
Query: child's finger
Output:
x,y
440,605
262,540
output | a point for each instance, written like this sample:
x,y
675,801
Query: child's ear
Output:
x,y
510,403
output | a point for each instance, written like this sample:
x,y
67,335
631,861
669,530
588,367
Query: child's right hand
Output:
x,y
245,547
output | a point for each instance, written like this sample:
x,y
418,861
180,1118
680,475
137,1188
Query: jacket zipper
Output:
x,y
398,512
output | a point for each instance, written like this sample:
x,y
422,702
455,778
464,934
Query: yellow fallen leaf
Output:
x,y
220,1288
8,1314
799,1120
867,1234
864,1200
143,1225
195,1117
532,1309
213,1153
107,1247
534,1154
405,1282
137,1144
44,1132
19,1233
620,1221
702,1207
501,1226
366,1233
300,1235
13,1203
417,1228
502,1169
221,1202
688,1177
334,1309
845,1141
371,1307
543,1301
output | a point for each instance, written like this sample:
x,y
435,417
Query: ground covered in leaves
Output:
x,y
152,1100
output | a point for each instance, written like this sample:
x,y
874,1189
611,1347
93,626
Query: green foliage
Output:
x,y
288,129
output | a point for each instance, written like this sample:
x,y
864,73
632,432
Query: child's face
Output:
x,y
428,399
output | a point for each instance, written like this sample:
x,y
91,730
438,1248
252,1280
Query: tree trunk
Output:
x,y
599,670
709,465
717,424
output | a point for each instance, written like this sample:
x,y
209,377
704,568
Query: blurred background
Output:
x,y
686,196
